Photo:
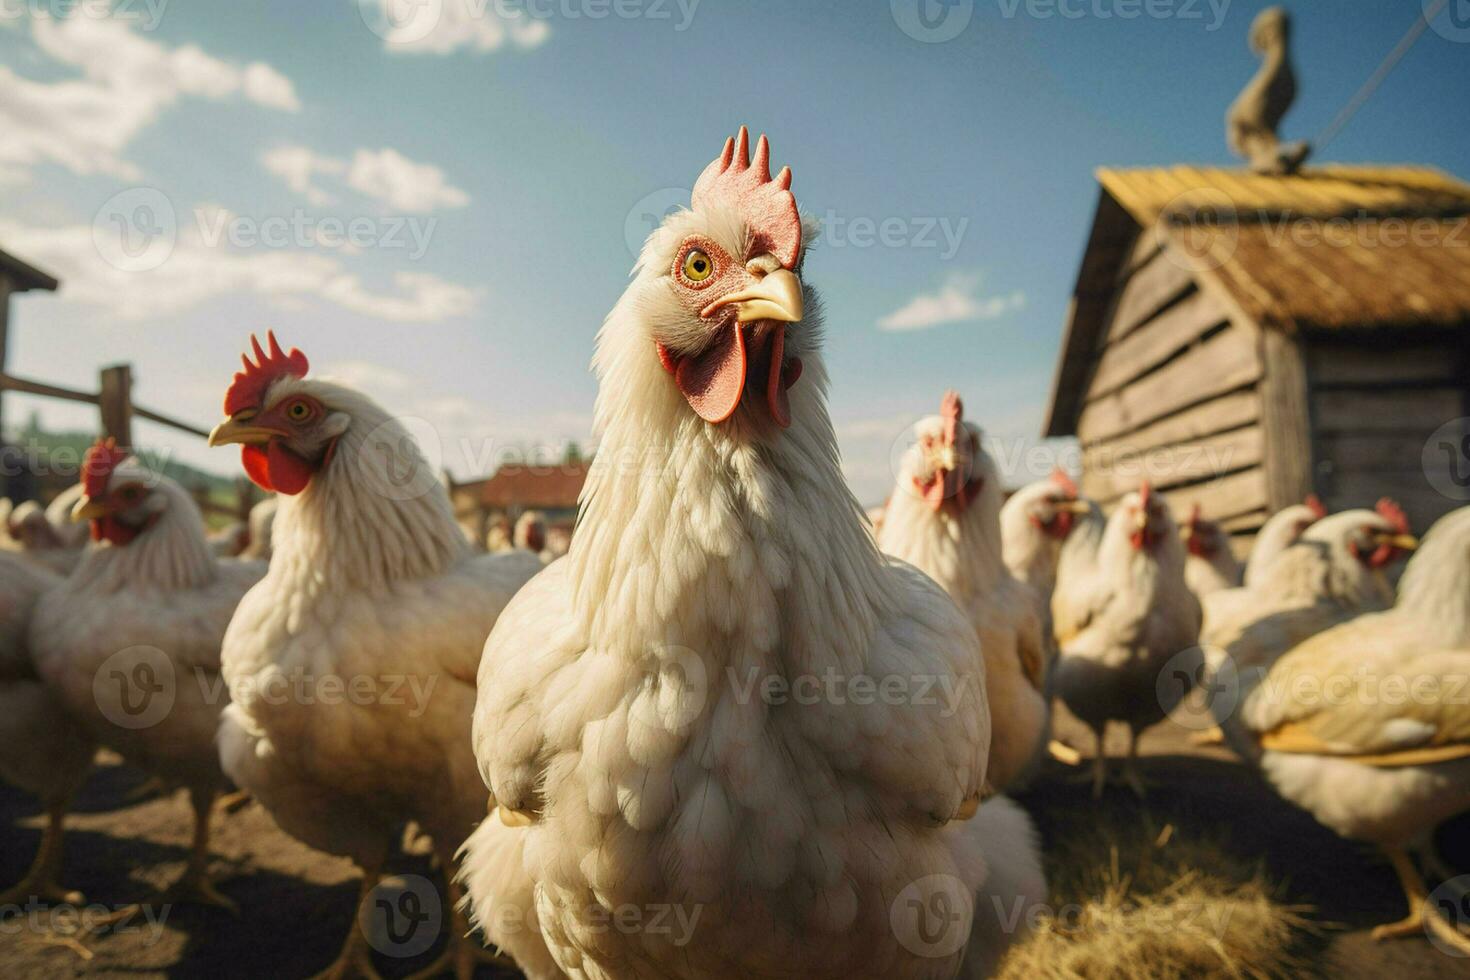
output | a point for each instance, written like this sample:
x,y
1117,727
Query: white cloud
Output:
x,y
298,165
126,81
266,86
383,175
445,26
388,176
957,301
195,272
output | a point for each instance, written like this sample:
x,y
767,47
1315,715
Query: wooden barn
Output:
x,y
1245,339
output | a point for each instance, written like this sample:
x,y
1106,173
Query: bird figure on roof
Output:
x,y
1251,122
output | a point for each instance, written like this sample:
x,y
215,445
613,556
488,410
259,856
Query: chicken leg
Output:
x,y
194,886
1131,775
1421,917
1099,765
356,956
40,882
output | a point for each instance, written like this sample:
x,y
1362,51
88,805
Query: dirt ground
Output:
x,y
296,904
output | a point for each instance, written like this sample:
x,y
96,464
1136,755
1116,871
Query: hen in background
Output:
x,y
1284,529
1035,523
130,643
1141,614
372,589
684,713
1211,564
944,519
42,750
1333,574
1367,725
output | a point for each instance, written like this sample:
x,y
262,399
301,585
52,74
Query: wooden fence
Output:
x,y
114,400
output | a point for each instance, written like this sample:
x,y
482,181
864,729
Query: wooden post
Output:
x,y
116,402
1286,418
5,290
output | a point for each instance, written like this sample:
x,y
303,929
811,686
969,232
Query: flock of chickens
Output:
x,y
635,719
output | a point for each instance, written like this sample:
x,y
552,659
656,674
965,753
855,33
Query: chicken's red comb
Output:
x,y
1390,511
250,384
1145,493
1060,478
1315,505
766,205
98,464
952,412
1196,515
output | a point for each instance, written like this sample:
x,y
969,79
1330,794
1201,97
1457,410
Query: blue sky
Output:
x,y
496,166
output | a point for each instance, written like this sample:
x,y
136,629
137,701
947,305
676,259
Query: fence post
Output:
x,y
116,401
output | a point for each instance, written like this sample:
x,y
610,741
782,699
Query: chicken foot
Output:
x,y
40,881
356,956
1421,917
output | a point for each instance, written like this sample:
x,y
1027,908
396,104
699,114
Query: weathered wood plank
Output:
x,y
1334,364
1157,282
1156,341
1285,403
1409,411
1226,412
1369,452
1221,364
1222,499
1112,469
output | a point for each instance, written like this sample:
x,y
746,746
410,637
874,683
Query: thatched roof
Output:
x,y
1334,247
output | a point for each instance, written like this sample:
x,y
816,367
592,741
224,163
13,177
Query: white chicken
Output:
x,y
530,533
47,535
710,705
1283,530
1334,573
373,615
262,523
130,643
944,519
42,750
1367,725
1141,614
1034,524
1210,564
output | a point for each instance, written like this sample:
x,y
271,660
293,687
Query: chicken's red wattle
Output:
x,y
740,358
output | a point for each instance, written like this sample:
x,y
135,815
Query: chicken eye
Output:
x,y
298,411
698,266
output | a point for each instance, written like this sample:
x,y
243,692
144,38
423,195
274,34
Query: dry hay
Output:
x,y
1130,903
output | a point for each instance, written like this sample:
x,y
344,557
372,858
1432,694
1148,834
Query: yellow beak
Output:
x,y
87,509
1403,542
1074,507
776,296
233,431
